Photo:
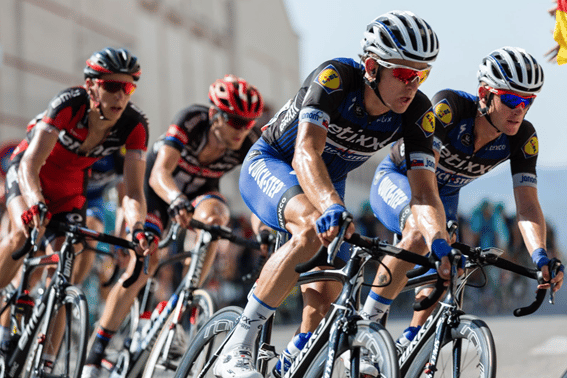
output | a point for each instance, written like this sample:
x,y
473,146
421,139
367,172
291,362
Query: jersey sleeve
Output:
x,y
523,158
324,92
183,123
138,137
418,127
59,113
445,107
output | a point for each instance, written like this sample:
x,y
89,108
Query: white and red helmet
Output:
x,y
236,97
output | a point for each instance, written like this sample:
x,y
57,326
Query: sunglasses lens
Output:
x,y
512,101
239,123
408,75
115,86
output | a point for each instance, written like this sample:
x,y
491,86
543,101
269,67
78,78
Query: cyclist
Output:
x,y
294,177
182,181
49,167
473,134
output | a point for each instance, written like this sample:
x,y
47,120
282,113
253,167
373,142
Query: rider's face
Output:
x,y
396,93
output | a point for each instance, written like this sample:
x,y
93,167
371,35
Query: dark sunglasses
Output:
x,y
513,100
113,86
237,122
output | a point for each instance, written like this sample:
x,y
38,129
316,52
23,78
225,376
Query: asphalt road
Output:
x,y
531,347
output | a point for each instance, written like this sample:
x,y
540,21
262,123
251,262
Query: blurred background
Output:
x,y
184,45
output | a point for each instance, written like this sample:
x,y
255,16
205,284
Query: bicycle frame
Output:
x,y
138,352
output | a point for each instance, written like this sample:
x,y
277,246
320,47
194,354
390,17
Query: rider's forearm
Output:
x,y
134,205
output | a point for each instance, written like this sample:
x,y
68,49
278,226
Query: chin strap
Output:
x,y
483,110
374,86
99,107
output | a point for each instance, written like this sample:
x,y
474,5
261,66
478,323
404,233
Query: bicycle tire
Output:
x,y
174,339
372,336
207,341
478,352
71,354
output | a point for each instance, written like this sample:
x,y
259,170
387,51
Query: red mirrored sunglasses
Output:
x,y
113,86
513,100
237,122
406,74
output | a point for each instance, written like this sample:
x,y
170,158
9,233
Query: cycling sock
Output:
x,y
103,337
254,316
375,306
47,360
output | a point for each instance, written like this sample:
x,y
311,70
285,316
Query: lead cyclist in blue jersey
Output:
x,y
473,135
293,178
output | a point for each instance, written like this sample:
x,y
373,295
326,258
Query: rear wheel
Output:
x,y
371,339
470,343
206,342
177,334
71,317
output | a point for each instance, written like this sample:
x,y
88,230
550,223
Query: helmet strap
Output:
x,y
371,68
483,110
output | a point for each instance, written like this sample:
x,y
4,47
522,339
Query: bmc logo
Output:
x,y
73,145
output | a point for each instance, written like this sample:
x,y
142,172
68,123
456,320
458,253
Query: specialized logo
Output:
x,y
466,140
444,113
531,147
427,123
329,79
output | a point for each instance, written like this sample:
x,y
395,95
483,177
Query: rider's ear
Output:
x,y
371,67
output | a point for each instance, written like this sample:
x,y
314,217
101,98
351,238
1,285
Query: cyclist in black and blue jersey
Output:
x,y
294,177
473,135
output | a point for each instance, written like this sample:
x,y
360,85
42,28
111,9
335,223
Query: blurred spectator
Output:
x,y
558,54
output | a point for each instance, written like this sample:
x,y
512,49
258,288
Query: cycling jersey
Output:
x,y
189,133
458,165
331,97
64,175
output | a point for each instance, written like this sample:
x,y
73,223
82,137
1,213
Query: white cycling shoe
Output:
x,y
366,367
237,363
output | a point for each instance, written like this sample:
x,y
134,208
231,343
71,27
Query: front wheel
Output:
x,y
66,339
176,335
207,342
370,339
470,343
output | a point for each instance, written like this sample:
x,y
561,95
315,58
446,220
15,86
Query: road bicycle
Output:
x,y
156,347
36,329
452,343
340,331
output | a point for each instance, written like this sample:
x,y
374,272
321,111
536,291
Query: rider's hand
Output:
x,y
147,242
181,210
442,249
328,224
267,239
539,257
32,218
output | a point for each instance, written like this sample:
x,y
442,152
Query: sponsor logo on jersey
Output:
x,y
329,79
177,133
466,140
443,112
391,194
427,123
524,179
454,162
198,171
65,97
314,116
267,182
357,138
531,147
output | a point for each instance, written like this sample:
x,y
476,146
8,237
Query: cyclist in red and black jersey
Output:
x,y
182,181
49,168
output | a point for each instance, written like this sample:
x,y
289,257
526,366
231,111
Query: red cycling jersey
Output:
x,y
64,175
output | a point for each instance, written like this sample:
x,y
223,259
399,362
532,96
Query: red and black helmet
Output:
x,y
235,96
110,60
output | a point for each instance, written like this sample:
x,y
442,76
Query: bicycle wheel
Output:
x,y
370,336
175,336
472,339
70,356
206,342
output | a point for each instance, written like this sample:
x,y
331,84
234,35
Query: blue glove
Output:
x,y
331,217
440,248
539,257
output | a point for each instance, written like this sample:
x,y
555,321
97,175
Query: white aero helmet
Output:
x,y
512,69
401,35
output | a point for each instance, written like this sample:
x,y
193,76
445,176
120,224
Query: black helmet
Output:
x,y
111,60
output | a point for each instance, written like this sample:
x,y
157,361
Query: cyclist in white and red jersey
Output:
x,y
49,168
182,181
473,135
294,177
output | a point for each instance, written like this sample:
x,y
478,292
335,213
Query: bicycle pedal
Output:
x,y
267,352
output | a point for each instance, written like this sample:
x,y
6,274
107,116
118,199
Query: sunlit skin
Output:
x,y
226,135
112,104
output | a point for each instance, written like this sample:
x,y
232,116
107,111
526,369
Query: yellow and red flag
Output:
x,y
560,32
